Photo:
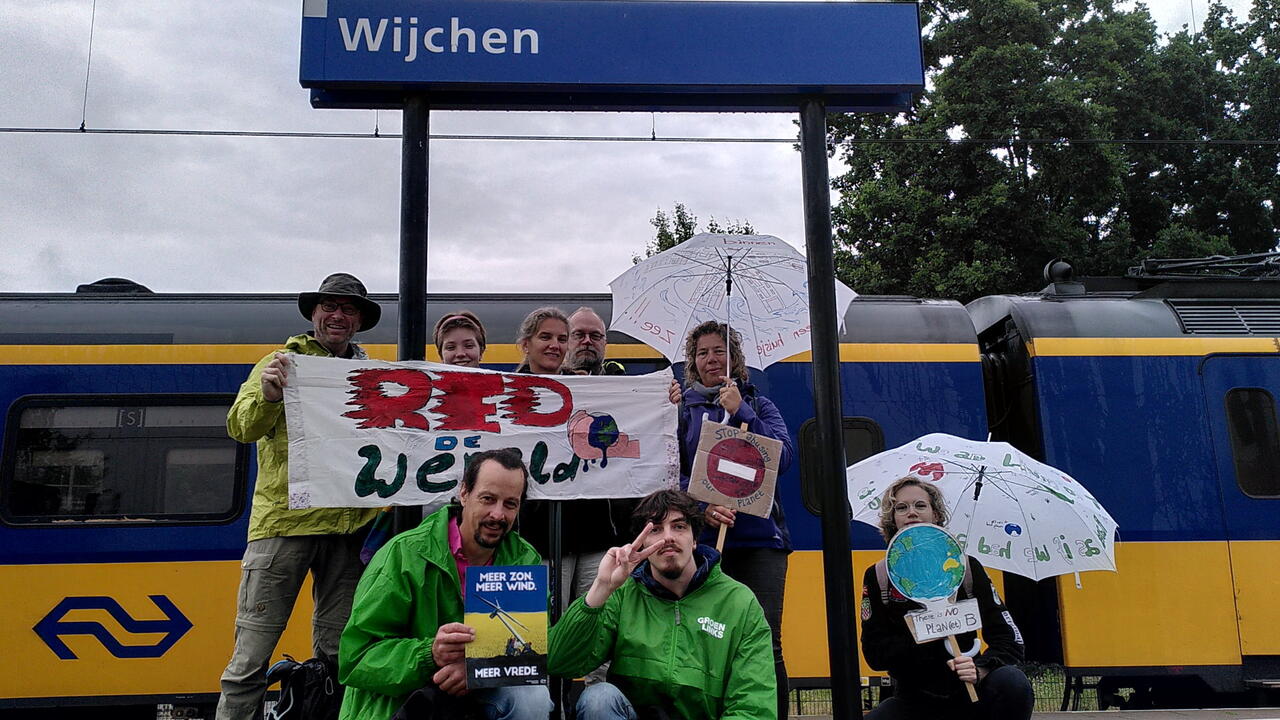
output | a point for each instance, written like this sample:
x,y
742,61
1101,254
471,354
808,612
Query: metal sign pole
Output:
x,y
413,250
837,565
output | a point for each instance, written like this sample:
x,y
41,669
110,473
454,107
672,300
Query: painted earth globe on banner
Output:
x,y
925,562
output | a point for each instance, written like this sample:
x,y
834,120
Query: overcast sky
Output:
x,y
205,214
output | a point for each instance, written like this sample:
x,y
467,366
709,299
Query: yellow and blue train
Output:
x,y
124,506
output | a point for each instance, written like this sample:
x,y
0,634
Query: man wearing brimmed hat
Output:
x,y
284,545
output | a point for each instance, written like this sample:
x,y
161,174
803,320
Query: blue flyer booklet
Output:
x,y
507,606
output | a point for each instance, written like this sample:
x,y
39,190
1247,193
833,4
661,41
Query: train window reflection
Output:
x,y
121,458
862,439
1255,441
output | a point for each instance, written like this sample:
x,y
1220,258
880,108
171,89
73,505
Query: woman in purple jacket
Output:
x,y
756,548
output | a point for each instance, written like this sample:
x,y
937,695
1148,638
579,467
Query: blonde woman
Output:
x,y
928,682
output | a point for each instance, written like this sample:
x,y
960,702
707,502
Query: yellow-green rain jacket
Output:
x,y
253,419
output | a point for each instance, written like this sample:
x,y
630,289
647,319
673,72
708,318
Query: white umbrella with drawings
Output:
x,y
1010,511
758,284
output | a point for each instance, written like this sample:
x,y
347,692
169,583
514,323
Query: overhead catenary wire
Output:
x,y
88,65
376,135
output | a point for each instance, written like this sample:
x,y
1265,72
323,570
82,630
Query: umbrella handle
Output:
x,y
954,647
724,529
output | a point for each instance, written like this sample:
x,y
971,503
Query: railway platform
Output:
x,y
1191,714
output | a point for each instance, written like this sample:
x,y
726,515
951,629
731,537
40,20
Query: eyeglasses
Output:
x,y
903,508
347,308
580,335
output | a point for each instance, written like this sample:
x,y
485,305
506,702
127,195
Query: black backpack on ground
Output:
x,y
308,690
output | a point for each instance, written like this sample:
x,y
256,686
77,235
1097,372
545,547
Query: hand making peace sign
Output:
x,y
616,567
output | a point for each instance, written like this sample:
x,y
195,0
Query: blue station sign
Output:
x,y
611,54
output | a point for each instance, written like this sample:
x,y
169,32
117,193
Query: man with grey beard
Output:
x,y
588,342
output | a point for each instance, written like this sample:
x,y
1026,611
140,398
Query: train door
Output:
x,y
1241,393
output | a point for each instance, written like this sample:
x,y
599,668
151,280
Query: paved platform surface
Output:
x,y
1225,714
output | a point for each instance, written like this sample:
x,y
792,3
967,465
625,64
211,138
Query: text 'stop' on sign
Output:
x,y
615,55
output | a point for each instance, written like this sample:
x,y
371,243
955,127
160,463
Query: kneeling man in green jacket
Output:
x,y
405,640
684,639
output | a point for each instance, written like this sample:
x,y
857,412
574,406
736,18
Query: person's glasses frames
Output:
x,y
347,308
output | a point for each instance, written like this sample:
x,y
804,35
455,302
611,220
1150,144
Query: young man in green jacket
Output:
x,y
685,640
406,637
285,545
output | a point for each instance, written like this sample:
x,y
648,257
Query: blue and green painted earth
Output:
x,y
925,562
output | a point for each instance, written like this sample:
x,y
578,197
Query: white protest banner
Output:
x,y
368,433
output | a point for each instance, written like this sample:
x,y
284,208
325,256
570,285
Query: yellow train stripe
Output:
x,y
203,592
1115,620
1152,613
900,352
1130,347
133,354
1257,586
246,354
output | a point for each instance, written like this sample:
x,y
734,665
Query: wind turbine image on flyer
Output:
x,y
517,645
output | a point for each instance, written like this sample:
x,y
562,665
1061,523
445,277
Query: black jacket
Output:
x,y
920,669
587,526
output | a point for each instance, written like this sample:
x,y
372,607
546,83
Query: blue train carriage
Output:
x,y
908,367
1157,392
124,506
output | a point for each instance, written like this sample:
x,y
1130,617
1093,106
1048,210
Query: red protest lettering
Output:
x,y
522,405
926,469
376,409
462,405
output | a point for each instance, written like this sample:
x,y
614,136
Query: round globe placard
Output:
x,y
925,563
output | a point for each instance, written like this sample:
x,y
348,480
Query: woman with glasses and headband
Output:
x,y
459,339
755,552
928,682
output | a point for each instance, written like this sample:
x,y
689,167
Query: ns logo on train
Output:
x,y
52,627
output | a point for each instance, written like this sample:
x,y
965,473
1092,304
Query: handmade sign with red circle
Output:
x,y
735,468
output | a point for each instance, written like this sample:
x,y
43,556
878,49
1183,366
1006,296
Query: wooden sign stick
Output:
x,y
724,529
953,645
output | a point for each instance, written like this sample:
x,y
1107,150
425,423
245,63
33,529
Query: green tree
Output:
x,y
1034,95
682,225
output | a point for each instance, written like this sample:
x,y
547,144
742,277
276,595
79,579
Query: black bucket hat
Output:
x,y
343,285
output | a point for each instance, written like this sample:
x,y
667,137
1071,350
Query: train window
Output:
x,y
137,458
862,439
1255,441
644,366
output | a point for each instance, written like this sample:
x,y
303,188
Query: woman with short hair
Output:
x,y
459,338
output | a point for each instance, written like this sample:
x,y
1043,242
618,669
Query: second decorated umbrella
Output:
x,y
1010,511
